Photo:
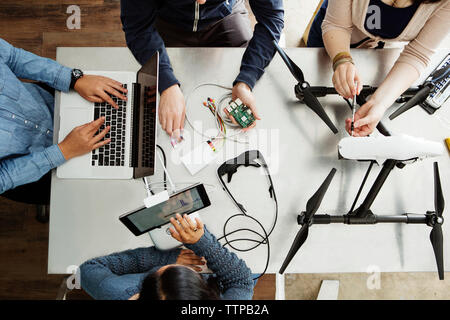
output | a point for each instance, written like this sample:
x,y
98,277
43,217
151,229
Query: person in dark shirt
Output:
x,y
153,25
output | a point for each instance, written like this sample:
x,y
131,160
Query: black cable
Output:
x,y
264,237
165,165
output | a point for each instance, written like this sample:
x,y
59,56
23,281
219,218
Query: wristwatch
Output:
x,y
75,75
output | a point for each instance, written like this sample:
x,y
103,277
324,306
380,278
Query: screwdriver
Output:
x,y
353,110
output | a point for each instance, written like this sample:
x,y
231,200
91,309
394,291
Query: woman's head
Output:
x,y
177,282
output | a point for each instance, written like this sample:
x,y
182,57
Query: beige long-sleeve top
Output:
x,y
423,34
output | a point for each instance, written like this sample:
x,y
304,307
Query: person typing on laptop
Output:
x,y
27,151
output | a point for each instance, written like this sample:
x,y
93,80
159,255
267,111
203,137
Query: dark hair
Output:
x,y
178,283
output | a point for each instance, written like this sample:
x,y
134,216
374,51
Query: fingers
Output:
x,y
183,118
95,125
337,84
101,144
360,86
169,126
345,86
174,233
162,121
182,221
254,111
190,222
351,81
233,120
176,124
114,92
179,229
101,135
363,121
117,85
107,98
249,127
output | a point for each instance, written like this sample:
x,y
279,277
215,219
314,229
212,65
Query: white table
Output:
x,y
301,151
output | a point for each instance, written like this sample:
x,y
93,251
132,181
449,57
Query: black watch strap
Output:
x,y
75,75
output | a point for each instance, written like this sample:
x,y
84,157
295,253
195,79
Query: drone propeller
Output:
x,y
312,102
436,233
312,206
305,89
295,70
419,97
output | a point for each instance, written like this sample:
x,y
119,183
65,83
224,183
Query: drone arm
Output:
x,y
370,219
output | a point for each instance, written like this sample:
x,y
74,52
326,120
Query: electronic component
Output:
x,y
241,113
441,91
186,201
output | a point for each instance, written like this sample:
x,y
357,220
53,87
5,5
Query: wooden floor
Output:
x,y
39,26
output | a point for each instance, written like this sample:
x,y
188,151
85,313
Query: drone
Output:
x,y
308,94
391,151
419,148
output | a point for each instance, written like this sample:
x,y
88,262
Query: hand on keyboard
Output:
x,y
99,89
83,139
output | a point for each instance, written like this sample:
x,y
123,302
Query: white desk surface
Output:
x,y
300,150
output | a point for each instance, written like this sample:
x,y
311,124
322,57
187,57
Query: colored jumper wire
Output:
x,y
211,105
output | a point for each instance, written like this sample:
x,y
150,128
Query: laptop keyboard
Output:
x,y
149,134
111,154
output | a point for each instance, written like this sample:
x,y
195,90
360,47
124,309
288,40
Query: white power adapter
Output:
x,y
158,198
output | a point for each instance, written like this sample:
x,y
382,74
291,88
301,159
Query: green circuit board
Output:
x,y
241,113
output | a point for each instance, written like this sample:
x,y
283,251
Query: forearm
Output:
x,y
398,80
138,260
260,50
143,39
29,168
27,65
336,41
231,271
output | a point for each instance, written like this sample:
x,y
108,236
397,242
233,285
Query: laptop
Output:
x,y
131,152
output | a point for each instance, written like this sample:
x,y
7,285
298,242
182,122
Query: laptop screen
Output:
x,y
145,119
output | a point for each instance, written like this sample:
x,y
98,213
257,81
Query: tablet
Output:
x,y
186,201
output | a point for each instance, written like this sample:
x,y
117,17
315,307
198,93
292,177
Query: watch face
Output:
x,y
77,73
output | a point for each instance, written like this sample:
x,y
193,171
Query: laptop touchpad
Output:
x,y
71,118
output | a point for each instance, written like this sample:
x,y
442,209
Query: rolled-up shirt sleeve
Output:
x,y
28,168
419,51
338,16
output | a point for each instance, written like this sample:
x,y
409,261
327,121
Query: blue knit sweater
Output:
x,y
119,276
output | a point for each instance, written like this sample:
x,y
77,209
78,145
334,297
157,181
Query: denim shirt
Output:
x,y
118,276
27,151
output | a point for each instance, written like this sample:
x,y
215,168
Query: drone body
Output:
x,y
381,148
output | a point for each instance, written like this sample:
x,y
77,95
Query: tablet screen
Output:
x,y
183,203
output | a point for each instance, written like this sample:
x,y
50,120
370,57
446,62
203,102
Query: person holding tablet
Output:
x,y
151,274
340,25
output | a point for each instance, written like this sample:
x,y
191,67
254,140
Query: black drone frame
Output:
x,y
363,214
308,94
